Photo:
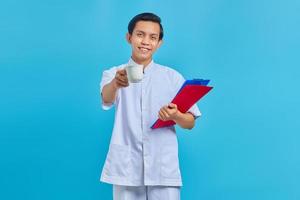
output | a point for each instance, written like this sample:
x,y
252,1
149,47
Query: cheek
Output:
x,y
155,45
136,40
134,46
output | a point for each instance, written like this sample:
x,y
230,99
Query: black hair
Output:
x,y
146,17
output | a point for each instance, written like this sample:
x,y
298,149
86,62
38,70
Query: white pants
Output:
x,y
146,192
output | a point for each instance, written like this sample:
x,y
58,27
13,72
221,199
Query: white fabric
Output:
x,y
146,192
139,155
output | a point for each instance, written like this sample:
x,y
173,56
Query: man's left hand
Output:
x,y
168,112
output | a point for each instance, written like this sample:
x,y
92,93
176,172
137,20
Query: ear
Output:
x,y
128,38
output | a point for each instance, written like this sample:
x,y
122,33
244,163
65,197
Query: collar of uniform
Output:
x,y
147,69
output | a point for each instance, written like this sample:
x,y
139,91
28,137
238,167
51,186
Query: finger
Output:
x,y
166,109
169,112
165,114
122,72
122,79
172,105
122,84
161,115
119,74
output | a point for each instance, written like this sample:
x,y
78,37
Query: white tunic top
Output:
x,y
139,155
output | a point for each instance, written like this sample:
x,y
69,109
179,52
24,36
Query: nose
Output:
x,y
145,40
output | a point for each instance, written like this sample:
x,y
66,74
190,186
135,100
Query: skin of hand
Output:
x,y
109,90
171,112
168,112
120,79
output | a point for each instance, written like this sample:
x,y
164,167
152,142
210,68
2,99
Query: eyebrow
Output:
x,y
152,34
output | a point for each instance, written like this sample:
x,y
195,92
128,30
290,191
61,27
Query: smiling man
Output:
x,y
142,163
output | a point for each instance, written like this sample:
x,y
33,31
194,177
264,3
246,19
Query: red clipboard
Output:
x,y
190,92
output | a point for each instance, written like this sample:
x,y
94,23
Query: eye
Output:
x,y
154,38
139,34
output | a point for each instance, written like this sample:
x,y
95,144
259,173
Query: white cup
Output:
x,y
134,72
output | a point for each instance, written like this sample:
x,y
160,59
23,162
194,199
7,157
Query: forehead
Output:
x,y
147,27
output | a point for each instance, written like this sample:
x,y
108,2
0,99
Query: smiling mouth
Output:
x,y
144,50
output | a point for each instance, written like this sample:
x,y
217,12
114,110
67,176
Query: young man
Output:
x,y
142,163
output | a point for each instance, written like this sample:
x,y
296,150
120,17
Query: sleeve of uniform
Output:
x,y
179,80
195,111
107,77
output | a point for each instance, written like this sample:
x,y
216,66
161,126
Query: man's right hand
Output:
x,y
109,90
121,79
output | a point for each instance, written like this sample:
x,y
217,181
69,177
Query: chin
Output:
x,y
143,57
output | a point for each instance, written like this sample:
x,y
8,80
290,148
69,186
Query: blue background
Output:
x,y
54,136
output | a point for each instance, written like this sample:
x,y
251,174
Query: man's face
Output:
x,y
144,41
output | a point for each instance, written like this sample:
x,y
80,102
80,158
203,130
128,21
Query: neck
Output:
x,y
145,63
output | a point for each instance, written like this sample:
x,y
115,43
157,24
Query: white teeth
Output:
x,y
144,49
